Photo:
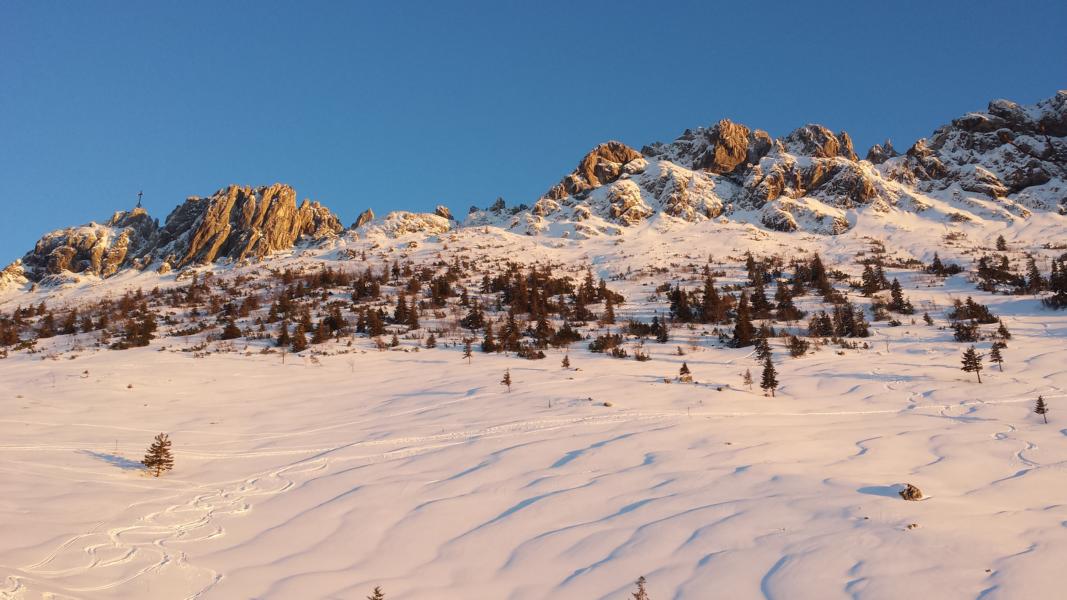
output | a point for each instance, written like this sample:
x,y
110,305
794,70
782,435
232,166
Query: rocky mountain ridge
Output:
x,y
809,180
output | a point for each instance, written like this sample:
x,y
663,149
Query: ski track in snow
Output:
x,y
150,543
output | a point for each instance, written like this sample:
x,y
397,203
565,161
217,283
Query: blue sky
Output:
x,y
404,105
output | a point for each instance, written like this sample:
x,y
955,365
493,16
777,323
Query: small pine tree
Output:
x,y
378,594
640,594
763,347
507,379
431,341
995,357
158,458
1002,331
300,340
467,350
1041,408
972,362
394,342
927,319
231,331
609,311
797,346
684,374
1001,244
566,364
769,380
747,379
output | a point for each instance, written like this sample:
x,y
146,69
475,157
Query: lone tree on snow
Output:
x,y
972,362
507,379
769,381
640,594
158,458
1041,408
747,379
467,350
566,364
684,374
378,594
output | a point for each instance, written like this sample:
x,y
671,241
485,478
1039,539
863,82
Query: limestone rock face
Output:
x,y
92,249
879,153
364,217
1008,149
12,274
242,222
443,212
721,148
604,164
818,141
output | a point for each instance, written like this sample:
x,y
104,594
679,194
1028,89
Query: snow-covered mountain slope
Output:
x,y
331,432
325,473
1003,165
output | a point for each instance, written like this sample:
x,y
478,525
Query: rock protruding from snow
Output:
x,y
910,492
1009,150
364,217
240,223
400,223
819,142
92,249
879,153
720,149
443,212
603,165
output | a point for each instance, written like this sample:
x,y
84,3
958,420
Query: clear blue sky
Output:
x,y
409,104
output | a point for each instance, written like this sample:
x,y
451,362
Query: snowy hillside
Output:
x,y
551,401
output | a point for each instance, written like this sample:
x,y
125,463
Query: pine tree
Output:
x,y
1002,331
231,331
566,364
684,375
300,341
283,339
763,347
797,346
1001,244
640,594
489,342
1034,281
321,334
769,380
394,342
746,379
1041,408
467,350
378,594
158,458
609,311
431,341
995,357
972,362
743,330
507,379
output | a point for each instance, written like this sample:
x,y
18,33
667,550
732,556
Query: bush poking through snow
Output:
x,y
910,492
640,594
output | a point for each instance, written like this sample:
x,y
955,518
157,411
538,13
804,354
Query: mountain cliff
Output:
x,y
1002,163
